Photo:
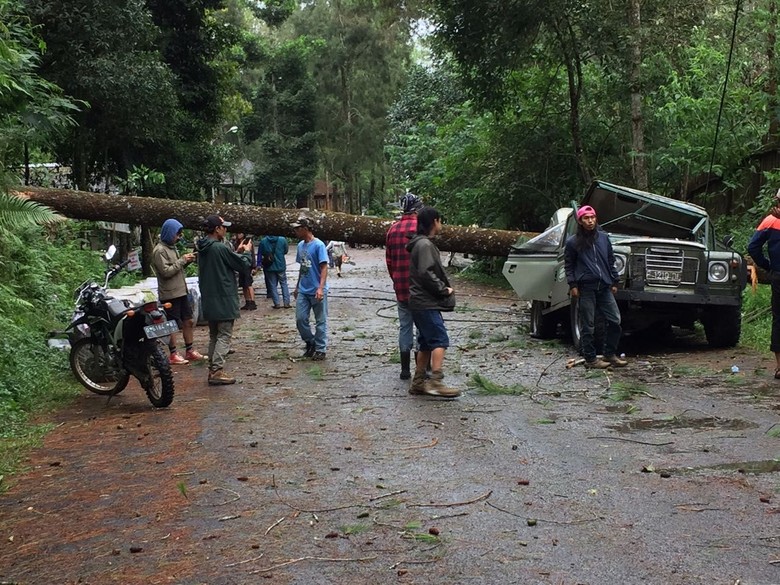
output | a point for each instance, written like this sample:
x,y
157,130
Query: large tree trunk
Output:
x,y
638,156
259,220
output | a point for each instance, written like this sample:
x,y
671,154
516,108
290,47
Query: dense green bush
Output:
x,y
39,270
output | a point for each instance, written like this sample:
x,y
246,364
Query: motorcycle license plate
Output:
x,y
161,329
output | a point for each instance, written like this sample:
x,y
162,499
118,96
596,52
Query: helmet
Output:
x,y
411,203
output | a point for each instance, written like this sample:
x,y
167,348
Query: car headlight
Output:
x,y
718,271
620,264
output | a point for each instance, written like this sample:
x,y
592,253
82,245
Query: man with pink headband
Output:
x,y
593,280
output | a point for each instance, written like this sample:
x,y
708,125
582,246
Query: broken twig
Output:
x,y
301,559
395,493
274,525
431,444
466,503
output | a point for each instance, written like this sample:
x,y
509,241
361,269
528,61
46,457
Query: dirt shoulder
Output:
x,y
303,472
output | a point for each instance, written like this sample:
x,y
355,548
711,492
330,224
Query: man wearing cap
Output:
x,y
593,280
311,290
397,260
172,288
217,264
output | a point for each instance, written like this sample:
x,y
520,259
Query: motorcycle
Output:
x,y
112,339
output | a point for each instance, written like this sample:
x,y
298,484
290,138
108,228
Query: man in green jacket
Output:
x,y
217,265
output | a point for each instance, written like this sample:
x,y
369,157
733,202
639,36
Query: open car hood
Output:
x,y
626,211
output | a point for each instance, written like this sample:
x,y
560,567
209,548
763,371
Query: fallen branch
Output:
x,y
246,561
569,523
314,511
633,441
301,559
274,525
466,503
443,516
431,444
395,493
238,497
544,371
399,563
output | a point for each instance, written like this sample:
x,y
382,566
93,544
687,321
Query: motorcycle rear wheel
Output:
x,y
93,369
158,384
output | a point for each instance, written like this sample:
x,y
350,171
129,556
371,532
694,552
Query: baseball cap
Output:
x,y
212,222
301,222
411,203
585,210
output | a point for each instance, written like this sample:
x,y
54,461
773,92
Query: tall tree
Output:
x,y
364,47
117,70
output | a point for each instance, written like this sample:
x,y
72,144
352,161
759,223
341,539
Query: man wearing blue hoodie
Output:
x,y
172,288
593,279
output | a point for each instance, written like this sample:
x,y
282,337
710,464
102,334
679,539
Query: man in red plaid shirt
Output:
x,y
397,259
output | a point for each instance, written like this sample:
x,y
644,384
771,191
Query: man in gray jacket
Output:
x,y
172,288
430,293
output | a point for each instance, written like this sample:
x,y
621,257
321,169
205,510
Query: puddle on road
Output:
x,y
680,422
744,467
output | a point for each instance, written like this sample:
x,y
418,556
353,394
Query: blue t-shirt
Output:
x,y
311,255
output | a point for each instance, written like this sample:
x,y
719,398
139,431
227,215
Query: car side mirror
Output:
x,y
728,241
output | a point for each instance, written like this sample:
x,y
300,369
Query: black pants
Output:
x,y
774,344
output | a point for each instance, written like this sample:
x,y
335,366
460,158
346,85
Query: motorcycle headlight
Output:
x,y
718,271
620,264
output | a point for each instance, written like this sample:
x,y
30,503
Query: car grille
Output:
x,y
669,267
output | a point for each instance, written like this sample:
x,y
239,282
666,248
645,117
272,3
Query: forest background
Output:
x,y
497,113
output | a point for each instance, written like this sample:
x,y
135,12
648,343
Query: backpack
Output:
x,y
267,259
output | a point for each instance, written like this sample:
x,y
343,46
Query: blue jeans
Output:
x,y
272,280
304,305
593,299
406,331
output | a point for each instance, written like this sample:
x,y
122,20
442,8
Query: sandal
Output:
x,y
777,374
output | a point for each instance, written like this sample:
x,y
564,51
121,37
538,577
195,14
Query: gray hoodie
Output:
x,y
428,282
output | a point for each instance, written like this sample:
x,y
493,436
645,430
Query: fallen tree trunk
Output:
x,y
256,220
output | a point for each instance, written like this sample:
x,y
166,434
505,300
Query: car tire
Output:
x,y
542,326
722,326
574,323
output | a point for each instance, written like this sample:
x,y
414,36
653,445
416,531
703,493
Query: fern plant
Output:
x,y
16,212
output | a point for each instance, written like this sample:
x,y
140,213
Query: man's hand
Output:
x,y
574,292
319,295
449,291
189,258
295,292
614,290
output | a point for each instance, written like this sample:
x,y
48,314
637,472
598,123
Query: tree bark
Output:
x,y
638,156
255,220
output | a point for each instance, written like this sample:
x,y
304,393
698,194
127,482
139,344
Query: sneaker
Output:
x,y
193,355
220,378
277,307
288,306
309,350
616,361
597,364
177,360
318,356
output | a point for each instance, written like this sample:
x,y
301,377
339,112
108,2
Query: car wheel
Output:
x,y
542,326
722,326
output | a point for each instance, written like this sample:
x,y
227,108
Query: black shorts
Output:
x,y
245,279
181,310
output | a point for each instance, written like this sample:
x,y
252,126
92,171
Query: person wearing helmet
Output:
x,y
397,260
593,279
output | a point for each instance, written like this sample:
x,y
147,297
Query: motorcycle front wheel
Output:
x,y
158,381
94,368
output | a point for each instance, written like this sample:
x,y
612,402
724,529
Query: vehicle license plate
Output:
x,y
665,276
161,329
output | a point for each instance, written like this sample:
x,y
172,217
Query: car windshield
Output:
x,y
547,241
637,213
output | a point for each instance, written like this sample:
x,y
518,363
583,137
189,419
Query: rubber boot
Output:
x,y
406,357
418,382
435,386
